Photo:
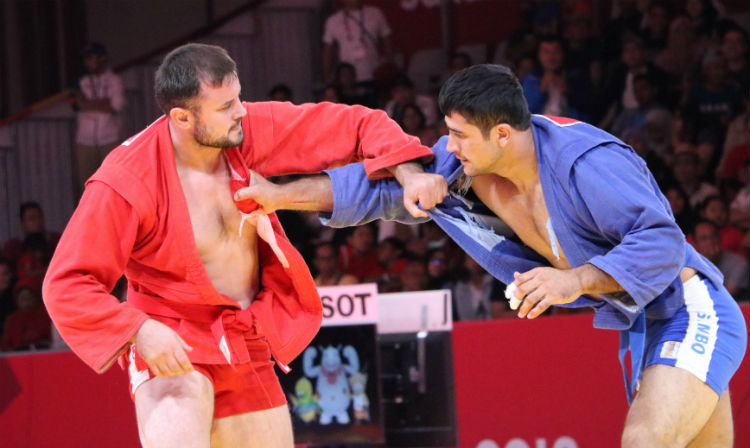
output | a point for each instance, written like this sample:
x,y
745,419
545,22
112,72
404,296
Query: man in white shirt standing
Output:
x,y
100,99
356,34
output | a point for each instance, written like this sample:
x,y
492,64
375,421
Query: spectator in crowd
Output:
x,y
357,34
438,271
739,209
7,304
412,121
583,67
414,276
734,46
625,18
331,94
403,94
458,61
637,140
473,293
546,87
703,15
679,203
655,28
707,241
280,92
686,170
714,101
682,54
716,210
430,237
658,133
359,257
32,221
326,265
619,89
392,262
736,141
35,258
645,92
29,327
350,90
100,98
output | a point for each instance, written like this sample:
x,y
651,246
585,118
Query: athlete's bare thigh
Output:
x,y
175,411
671,409
271,428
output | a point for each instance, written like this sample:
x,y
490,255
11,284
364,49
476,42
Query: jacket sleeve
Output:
x,y
357,200
613,186
90,257
284,138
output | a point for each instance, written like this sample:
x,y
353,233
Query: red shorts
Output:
x,y
246,387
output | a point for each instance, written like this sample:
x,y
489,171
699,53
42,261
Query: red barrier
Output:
x,y
552,382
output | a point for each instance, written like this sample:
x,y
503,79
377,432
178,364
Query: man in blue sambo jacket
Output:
x,y
596,230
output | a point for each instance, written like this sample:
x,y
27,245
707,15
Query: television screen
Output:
x,y
334,390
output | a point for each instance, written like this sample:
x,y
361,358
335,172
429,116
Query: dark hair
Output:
x,y
486,95
282,89
394,242
29,205
705,222
178,78
400,112
93,49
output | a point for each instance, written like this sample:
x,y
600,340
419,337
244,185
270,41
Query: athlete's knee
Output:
x,y
647,436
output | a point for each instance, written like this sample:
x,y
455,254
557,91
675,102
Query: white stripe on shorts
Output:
x,y
697,347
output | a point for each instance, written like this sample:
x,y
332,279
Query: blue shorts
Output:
x,y
707,336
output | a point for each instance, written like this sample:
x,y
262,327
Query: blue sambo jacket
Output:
x,y
605,209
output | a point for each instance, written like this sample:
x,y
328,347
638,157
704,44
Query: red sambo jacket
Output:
x,y
133,218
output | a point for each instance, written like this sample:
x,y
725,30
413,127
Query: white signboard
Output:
x,y
349,304
413,312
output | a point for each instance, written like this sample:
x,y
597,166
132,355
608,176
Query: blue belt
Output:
x,y
634,340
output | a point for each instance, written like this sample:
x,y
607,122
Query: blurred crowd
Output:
x,y
669,78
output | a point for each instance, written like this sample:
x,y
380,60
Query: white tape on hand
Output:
x,y
510,294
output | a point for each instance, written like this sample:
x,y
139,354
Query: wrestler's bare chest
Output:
x,y
230,259
525,213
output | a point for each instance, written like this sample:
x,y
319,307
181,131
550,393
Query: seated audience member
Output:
x,y
7,304
412,121
350,90
430,237
438,271
736,141
645,92
32,265
658,133
637,140
359,257
656,28
403,94
29,327
331,94
716,210
714,101
619,93
683,53
679,203
546,88
414,276
473,292
583,67
392,262
735,47
702,15
457,62
280,92
326,265
739,208
707,241
686,171
32,221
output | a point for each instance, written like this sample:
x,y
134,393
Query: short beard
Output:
x,y
200,134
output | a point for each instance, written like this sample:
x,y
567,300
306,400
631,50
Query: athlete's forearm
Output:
x,y
313,193
595,281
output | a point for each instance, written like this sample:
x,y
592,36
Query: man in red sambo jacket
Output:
x,y
215,287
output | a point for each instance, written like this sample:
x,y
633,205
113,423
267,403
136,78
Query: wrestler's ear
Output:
x,y
181,117
501,133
